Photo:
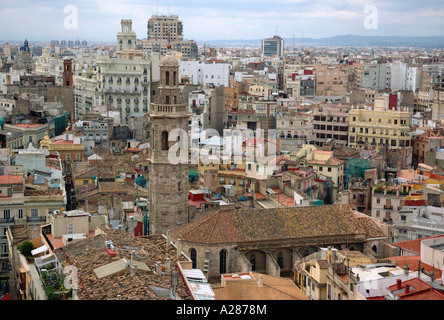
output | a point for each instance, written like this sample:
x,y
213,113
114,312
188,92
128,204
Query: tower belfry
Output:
x,y
168,181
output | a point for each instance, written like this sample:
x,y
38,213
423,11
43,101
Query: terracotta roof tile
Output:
x,y
272,224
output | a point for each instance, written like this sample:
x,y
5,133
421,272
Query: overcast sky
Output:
x,y
99,20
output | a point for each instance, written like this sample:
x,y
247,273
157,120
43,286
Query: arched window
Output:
x,y
193,257
280,259
167,78
167,99
174,78
129,43
223,261
164,141
375,248
253,262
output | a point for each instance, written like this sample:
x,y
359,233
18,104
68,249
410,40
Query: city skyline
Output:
x,y
221,20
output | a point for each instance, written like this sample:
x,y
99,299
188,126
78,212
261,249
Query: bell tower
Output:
x,y
168,183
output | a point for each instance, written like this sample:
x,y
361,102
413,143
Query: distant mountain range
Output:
x,y
343,40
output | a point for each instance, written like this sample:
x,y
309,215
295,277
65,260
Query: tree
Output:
x,y
25,248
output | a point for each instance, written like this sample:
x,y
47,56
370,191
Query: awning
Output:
x,y
39,250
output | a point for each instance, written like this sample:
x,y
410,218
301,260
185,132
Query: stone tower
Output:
x,y
168,183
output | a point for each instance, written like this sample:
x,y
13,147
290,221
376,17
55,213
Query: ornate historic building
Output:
x,y
271,240
168,181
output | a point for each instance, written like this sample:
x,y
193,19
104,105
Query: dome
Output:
x,y
169,60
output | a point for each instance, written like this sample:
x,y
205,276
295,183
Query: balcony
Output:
x,y
35,219
6,220
388,207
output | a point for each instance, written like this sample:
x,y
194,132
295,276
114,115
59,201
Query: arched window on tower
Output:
x,y
280,259
253,262
167,99
129,43
167,78
223,261
174,78
193,257
164,141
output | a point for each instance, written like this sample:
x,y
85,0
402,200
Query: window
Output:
x,y
223,261
253,262
280,260
329,169
164,140
20,213
34,213
193,257
6,214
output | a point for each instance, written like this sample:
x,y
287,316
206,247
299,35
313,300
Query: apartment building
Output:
x,y
387,201
163,31
330,121
204,74
123,82
379,126
331,80
30,190
294,130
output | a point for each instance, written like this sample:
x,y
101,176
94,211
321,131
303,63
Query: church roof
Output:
x,y
248,225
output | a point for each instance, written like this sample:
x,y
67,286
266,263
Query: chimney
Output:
x,y
261,281
406,270
398,284
168,238
132,225
179,248
133,270
133,253
119,297
158,268
168,265
407,289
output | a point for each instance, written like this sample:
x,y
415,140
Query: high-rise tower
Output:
x,y
168,181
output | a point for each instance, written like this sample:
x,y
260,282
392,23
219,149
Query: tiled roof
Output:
x,y
8,179
413,264
274,288
371,225
272,224
89,254
413,245
418,290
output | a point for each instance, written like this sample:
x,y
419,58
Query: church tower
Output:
x,y
168,183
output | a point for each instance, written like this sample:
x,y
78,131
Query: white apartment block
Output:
x,y
205,74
